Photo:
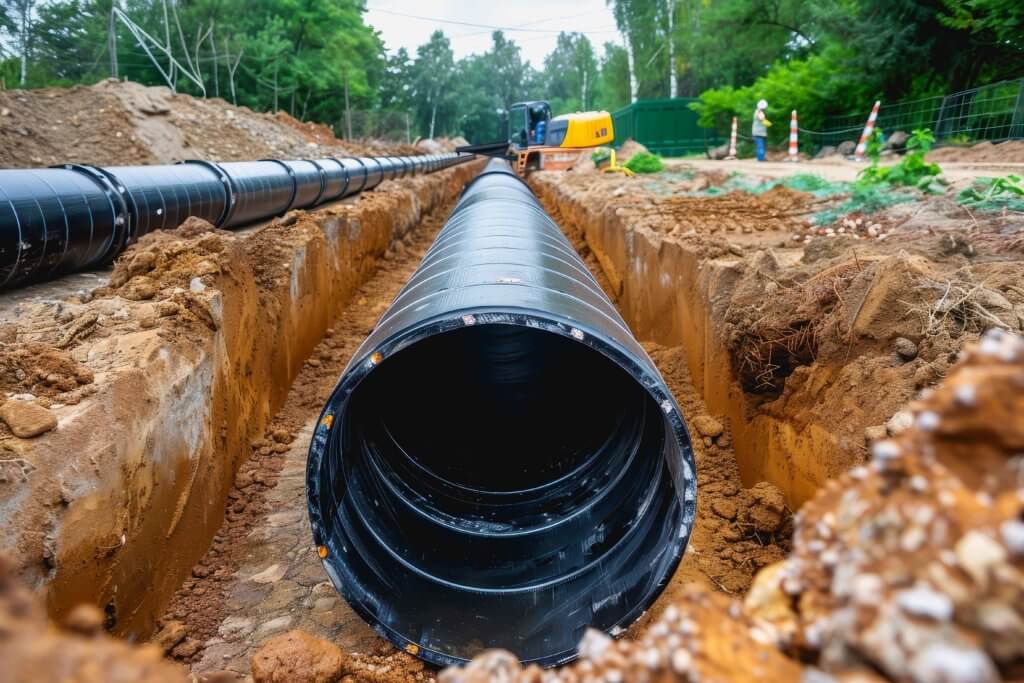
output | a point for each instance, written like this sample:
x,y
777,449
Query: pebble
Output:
x,y
946,663
976,553
725,509
708,426
905,349
169,636
922,601
899,422
85,620
1012,531
875,433
27,419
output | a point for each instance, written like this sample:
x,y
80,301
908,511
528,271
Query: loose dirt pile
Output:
x,y
1011,151
116,123
909,568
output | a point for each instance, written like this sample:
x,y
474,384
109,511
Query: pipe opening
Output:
x,y
521,407
499,485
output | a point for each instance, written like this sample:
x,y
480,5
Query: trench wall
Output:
x,y
136,477
667,292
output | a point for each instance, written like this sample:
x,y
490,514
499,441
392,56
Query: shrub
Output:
x,y
644,162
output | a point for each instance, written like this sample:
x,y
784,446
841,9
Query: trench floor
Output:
x,y
261,575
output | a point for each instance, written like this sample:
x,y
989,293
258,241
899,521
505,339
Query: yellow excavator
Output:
x,y
536,140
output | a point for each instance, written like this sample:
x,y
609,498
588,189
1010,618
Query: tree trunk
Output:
x,y
26,10
672,85
112,41
348,113
433,117
583,90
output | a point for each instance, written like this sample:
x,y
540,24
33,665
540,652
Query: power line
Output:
x,y
486,26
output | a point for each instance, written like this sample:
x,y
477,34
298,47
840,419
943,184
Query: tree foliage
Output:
x,y
309,57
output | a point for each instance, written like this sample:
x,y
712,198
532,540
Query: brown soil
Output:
x,y
34,651
1010,151
117,123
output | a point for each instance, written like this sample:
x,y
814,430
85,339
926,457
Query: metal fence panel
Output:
x,y
667,127
992,112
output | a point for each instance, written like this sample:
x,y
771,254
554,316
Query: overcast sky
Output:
x,y
468,23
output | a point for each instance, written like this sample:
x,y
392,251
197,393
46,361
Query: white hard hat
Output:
x,y
762,104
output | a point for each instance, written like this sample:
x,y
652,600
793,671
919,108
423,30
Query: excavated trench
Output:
x,y
198,416
262,576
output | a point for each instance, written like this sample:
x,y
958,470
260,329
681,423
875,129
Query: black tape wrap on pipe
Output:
x,y
58,220
500,464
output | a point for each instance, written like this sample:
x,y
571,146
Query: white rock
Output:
x,y
923,601
976,553
899,422
1012,531
945,663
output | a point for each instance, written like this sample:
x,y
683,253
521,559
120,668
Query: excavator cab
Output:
x,y
528,123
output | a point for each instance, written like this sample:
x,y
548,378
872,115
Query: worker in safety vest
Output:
x,y
759,130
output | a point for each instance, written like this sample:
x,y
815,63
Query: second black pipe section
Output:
x,y
59,220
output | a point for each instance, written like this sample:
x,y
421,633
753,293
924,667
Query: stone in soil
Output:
x,y
297,656
27,419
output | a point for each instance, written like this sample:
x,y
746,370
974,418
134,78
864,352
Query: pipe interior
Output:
x,y
498,408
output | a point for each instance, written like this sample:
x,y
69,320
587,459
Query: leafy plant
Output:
x,y
994,193
644,162
911,171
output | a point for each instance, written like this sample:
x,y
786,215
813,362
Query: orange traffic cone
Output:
x,y
793,149
869,128
732,141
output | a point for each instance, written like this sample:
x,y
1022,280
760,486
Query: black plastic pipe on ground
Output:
x,y
500,464
60,220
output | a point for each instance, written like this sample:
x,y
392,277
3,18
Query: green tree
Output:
x,y
571,73
432,76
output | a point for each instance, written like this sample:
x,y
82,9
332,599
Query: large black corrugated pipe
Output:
x,y
58,220
500,464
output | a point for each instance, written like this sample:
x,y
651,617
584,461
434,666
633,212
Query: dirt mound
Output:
x,y
123,123
630,148
73,125
1011,151
912,565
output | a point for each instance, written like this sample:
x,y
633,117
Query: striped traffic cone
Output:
x,y
869,128
732,141
793,149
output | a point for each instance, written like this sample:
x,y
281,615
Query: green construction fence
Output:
x,y
667,127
